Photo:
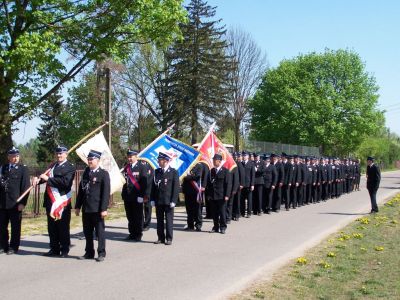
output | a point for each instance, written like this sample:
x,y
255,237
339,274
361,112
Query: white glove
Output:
x,y
139,199
172,205
152,203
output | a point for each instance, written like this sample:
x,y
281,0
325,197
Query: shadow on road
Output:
x,y
343,214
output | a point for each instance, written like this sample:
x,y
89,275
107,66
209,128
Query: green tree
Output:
x,y
325,99
199,69
83,111
49,131
44,44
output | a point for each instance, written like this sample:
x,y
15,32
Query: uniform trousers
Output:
x,y
165,231
14,217
59,232
94,222
134,214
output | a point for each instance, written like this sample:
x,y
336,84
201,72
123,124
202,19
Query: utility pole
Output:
x,y
108,106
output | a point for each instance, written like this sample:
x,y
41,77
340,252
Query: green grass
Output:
x,y
360,262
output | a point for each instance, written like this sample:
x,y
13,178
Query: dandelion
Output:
x,y
330,241
331,254
301,261
324,264
363,220
394,222
379,248
363,249
358,235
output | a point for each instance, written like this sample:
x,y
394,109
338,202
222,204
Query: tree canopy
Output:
x,y
44,44
318,99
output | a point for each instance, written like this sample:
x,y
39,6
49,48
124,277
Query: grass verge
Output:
x,y
360,262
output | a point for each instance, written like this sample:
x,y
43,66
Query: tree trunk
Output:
x,y
237,135
5,130
193,126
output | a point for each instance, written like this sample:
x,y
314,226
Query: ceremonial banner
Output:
x,y
107,161
183,157
212,145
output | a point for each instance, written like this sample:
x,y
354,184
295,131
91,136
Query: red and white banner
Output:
x,y
58,201
212,145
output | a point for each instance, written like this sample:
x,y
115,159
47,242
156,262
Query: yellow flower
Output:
x,y
395,222
358,235
379,248
363,249
331,254
301,260
324,264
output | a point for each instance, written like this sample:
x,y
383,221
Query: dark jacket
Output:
x,y
13,183
94,191
142,187
288,173
199,175
373,177
281,172
259,172
219,184
165,187
270,176
235,180
249,174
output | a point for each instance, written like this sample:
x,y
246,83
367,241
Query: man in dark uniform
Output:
x,y
324,180
164,196
14,180
314,180
235,177
248,187
302,185
357,175
58,179
258,184
308,186
373,181
236,198
93,197
135,193
270,181
218,191
193,186
277,197
296,180
146,205
287,179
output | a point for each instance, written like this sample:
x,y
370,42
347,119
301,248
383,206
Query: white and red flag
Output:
x,y
212,145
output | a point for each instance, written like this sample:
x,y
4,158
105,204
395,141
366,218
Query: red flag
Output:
x,y
212,145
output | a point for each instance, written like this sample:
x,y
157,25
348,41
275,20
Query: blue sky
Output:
x,y
284,28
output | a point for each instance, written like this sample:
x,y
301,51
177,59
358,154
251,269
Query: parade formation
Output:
x,y
225,187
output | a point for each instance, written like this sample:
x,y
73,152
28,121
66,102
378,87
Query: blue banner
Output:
x,y
182,155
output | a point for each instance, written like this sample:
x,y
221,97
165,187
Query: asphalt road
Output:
x,y
199,265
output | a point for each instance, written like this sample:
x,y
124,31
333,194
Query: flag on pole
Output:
x,y
107,161
183,157
212,145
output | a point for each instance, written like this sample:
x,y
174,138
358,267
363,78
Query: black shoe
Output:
x,y
52,253
129,237
223,231
168,243
146,228
11,252
100,258
86,256
214,230
198,229
228,222
159,242
187,228
64,254
287,209
137,239
2,251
